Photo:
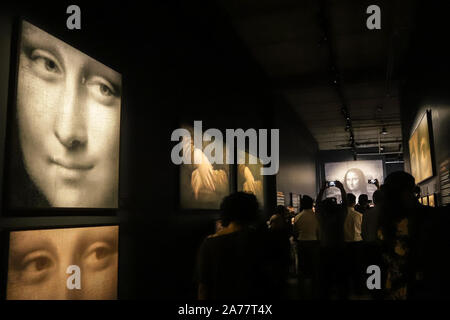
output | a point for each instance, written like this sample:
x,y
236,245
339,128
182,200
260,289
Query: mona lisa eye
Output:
x,y
50,65
45,64
102,90
36,266
105,90
98,256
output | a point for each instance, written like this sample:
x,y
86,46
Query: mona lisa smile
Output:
x,y
71,165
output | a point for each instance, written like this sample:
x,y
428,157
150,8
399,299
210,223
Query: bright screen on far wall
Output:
x,y
66,127
420,151
63,264
355,176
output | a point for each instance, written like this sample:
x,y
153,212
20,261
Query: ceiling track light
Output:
x,y
384,131
344,109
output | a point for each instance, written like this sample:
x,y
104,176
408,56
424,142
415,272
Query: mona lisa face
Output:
x,y
415,170
352,181
68,110
424,150
38,261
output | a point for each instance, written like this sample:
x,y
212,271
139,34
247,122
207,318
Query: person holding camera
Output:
x,y
331,216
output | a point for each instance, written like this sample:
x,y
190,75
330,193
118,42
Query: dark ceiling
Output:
x,y
321,57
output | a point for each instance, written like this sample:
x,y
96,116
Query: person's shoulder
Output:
x,y
299,215
273,217
354,213
219,235
213,241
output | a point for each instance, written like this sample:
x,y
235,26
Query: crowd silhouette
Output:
x,y
325,250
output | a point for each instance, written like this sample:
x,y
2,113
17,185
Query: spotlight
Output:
x,y
384,131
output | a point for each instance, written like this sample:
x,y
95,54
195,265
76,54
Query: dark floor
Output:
x,y
300,287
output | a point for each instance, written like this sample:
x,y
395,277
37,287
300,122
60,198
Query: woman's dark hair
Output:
x,y
239,207
281,210
329,207
307,202
351,199
363,199
362,180
378,196
396,185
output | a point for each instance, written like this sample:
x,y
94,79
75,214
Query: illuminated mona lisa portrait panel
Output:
x,y
66,127
63,264
354,176
420,151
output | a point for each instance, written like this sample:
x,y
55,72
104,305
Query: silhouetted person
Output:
x,y
229,261
417,192
415,243
278,251
370,219
279,220
306,225
331,217
352,226
363,203
306,233
352,236
369,229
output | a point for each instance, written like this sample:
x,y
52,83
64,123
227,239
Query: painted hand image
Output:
x,y
250,183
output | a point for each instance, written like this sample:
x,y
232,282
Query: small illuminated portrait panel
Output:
x,y
66,130
249,178
431,201
420,151
425,164
203,185
414,156
63,264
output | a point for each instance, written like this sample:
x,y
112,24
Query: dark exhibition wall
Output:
x,y
298,154
425,88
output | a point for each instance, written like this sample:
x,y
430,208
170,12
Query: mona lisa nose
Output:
x,y
70,122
